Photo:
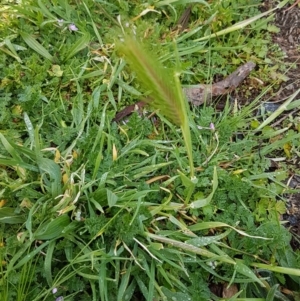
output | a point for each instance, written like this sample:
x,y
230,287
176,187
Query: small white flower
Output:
x,y
54,290
72,27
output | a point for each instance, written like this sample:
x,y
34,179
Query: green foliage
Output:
x,y
104,211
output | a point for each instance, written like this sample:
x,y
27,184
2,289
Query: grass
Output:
x,y
174,207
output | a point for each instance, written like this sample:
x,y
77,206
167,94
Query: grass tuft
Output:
x,y
189,203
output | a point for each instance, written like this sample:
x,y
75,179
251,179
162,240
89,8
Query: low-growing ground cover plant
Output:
x,y
183,204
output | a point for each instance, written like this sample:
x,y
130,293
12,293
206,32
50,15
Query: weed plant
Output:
x,y
140,210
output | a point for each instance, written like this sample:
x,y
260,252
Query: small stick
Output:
x,y
199,94
297,2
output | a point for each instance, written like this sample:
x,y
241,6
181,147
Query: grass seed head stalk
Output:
x,y
160,82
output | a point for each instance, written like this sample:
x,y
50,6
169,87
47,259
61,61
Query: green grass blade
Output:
x,y
36,46
191,248
244,270
29,256
277,269
280,110
10,149
48,262
210,225
102,281
142,286
124,283
151,280
236,26
17,163
93,24
13,52
207,240
9,216
79,45
272,292
45,10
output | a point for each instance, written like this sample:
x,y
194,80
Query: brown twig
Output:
x,y
297,2
199,94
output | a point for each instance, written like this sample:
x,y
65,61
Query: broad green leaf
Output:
x,y
142,285
293,105
31,216
52,169
102,280
96,73
2,48
47,166
187,182
30,128
52,229
128,88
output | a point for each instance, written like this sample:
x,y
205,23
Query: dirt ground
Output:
x,y
288,20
